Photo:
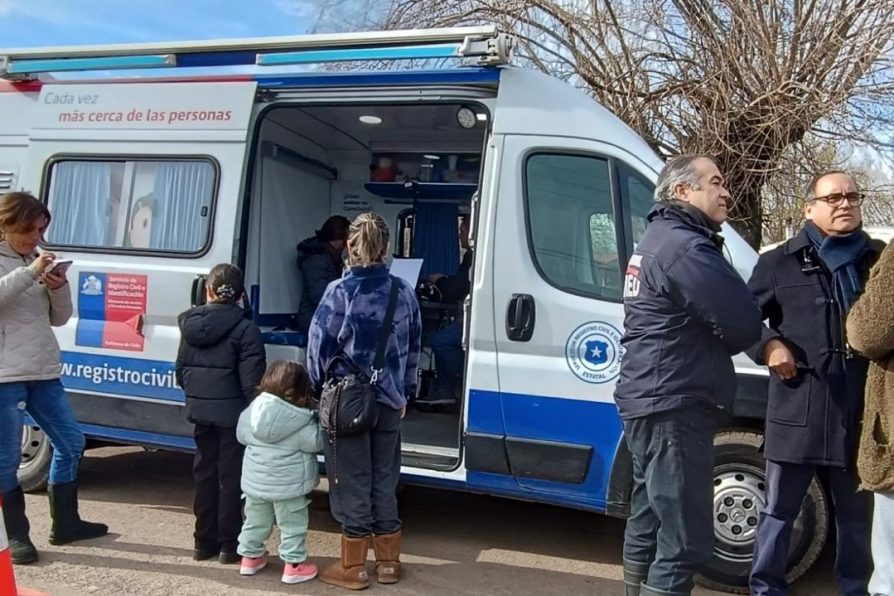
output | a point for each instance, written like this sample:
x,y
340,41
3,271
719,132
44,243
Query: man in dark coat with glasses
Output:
x,y
805,289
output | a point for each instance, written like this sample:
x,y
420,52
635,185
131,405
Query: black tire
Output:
x,y
37,453
738,499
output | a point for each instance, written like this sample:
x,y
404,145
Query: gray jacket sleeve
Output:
x,y
60,305
14,283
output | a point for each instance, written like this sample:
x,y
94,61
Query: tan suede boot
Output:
x,y
387,547
350,572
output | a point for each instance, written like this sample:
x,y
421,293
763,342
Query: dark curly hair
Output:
x,y
289,381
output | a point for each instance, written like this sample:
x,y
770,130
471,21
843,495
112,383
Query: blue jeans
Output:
x,y
787,485
448,349
670,527
47,404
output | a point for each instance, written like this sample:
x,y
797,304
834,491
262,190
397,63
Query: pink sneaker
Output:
x,y
295,573
251,565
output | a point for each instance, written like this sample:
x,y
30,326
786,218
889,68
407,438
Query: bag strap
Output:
x,y
379,362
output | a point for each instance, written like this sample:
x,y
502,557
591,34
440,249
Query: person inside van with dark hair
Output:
x,y
220,362
446,344
320,263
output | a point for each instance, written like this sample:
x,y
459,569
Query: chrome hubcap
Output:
x,y
738,499
34,443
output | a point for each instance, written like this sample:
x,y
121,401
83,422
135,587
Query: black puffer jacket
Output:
x,y
318,269
220,363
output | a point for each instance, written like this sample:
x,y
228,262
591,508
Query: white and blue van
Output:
x,y
152,178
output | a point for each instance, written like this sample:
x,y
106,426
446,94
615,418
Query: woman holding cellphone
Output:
x,y
34,298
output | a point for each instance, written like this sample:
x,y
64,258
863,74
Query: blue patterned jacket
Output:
x,y
348,321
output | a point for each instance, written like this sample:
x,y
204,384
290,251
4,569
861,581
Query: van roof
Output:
x,y
485,43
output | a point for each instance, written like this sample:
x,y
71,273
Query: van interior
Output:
x,y
416,165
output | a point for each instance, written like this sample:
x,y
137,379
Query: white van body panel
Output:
x,y
514,390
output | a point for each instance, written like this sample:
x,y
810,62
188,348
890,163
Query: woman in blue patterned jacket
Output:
x,y
362,490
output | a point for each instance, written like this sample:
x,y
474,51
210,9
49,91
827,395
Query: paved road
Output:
x,y
455,543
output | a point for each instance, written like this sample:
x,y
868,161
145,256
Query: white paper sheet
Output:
x,y
407,269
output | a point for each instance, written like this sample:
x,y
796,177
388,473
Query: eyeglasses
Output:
x,y
835,199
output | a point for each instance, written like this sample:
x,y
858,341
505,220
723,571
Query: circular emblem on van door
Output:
x,y
594,351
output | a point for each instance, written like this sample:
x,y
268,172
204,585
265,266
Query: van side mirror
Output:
x,y
198,291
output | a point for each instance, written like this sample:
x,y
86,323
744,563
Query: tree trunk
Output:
x,y
745,215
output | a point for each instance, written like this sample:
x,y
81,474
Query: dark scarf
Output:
x,y
841,255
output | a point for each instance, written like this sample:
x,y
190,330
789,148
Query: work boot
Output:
x,y
17,528
646,590
350,572
634,575
67,523
387,547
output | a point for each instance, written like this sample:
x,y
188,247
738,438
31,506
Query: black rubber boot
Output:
x,y
18,529
67,524
634,575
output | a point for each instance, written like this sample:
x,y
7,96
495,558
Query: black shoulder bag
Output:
x,y
348,402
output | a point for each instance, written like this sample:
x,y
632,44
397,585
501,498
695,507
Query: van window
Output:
x,y
159,205
637,195
571,223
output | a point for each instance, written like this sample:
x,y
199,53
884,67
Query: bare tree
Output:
x,y
746,80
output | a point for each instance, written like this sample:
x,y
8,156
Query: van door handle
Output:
x,y
198,291
520,317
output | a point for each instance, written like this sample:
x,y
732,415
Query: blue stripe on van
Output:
x,y
118,375
459,76
485,413
137,437
545,418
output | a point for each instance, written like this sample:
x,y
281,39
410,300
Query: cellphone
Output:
x,y
60,267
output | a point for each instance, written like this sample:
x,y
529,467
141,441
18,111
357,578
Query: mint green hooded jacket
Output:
x,y
281,441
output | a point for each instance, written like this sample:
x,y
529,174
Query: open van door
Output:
x,y
143,183
569,210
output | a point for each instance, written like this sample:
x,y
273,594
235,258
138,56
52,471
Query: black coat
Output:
x,y
318,268
814,418
686,311
220,363
455,288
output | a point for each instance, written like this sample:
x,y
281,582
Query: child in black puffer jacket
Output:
x,y
219,365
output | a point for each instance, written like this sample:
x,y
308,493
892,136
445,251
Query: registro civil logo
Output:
x,y
594,351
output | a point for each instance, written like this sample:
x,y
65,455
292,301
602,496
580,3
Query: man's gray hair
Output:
x,y
678,170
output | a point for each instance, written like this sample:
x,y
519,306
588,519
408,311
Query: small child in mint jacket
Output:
x,y
282,437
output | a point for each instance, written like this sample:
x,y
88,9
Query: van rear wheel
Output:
x,y
37,453
739,497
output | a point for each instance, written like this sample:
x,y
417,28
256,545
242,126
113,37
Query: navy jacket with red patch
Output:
x,y
687,311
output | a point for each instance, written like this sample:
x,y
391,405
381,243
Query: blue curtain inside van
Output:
x,y
81,203
181,191
436,238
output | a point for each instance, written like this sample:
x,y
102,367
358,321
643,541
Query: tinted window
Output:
x,y
571,223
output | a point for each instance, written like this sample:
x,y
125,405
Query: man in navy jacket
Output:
x,y
687,311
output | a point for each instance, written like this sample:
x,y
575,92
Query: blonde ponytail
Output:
x,y
367,240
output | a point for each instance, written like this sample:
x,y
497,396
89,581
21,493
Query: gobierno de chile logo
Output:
x,y
594,352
